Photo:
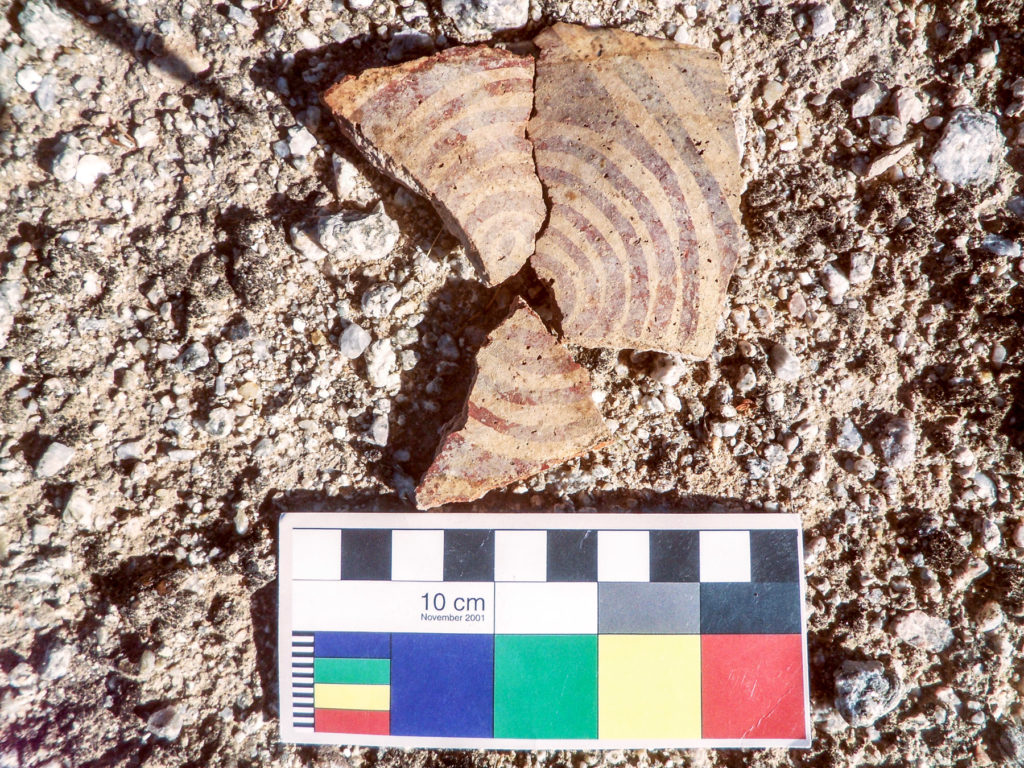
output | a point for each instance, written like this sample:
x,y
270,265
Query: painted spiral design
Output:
x,y
636,148
530,408
452,126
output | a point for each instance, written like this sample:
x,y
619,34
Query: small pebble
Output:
x,y
194,357
784,363
379,300
989,617
970,148
908,107
667,369
747,379
849,438
378,434
28,79
55,458
129,451
90,168
867,98
166,723
899,443
58,662
353,341
1001,246
836,283
862,265
886,131
220,422
301,142
1018,536
78,509
923,631
865,692
222,352
823,21
357,235
381,361
772,91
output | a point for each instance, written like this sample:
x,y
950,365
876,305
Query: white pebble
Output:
x,y
78,509
130,451
220,422
380,364
54,459
1018,536
970,148
668,370
985,488
222,352
301,142
354,341
923,631
907,106
379,300
90,169
836,283
823,21
379,430
867,99
784,363
28,79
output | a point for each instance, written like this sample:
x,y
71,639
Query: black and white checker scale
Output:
x,y
302,679
747,580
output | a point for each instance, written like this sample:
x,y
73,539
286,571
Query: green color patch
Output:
x,y
352,671
545,686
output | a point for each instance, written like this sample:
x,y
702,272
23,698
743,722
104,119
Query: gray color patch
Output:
x,y
648,608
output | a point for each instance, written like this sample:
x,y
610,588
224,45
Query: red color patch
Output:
x,y
752,687
352,721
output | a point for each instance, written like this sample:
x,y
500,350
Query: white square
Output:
x,y
316,553
551,608
623,556
520,555
725,555
417,555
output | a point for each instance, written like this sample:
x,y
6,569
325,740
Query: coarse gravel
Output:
x,y
185,352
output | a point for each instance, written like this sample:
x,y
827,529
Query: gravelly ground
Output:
x,y
138,570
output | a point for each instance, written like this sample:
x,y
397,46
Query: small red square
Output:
x,y
752,687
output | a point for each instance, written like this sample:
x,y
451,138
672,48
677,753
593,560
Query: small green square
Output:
x,y
545,686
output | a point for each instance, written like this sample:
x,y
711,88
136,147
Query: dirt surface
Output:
x,y
173,374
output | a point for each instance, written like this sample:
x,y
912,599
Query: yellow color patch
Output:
x,y
648,686
338,696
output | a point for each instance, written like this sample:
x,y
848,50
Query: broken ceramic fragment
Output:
x,y
529,408
636,148
452,127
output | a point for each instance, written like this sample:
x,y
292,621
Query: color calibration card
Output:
x,y
543,631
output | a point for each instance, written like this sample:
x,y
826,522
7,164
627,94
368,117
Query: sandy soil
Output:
x,y
171,378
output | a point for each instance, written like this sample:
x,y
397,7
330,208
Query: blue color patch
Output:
x,y
352,645
442,685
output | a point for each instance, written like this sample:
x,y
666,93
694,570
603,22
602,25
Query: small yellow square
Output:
x,y
648,686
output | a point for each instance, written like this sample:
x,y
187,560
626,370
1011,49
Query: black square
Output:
x,y
773,556
366,554
572,555
744,608
675,556
469,555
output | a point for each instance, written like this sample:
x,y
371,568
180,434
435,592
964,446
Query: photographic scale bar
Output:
x,y
543,630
